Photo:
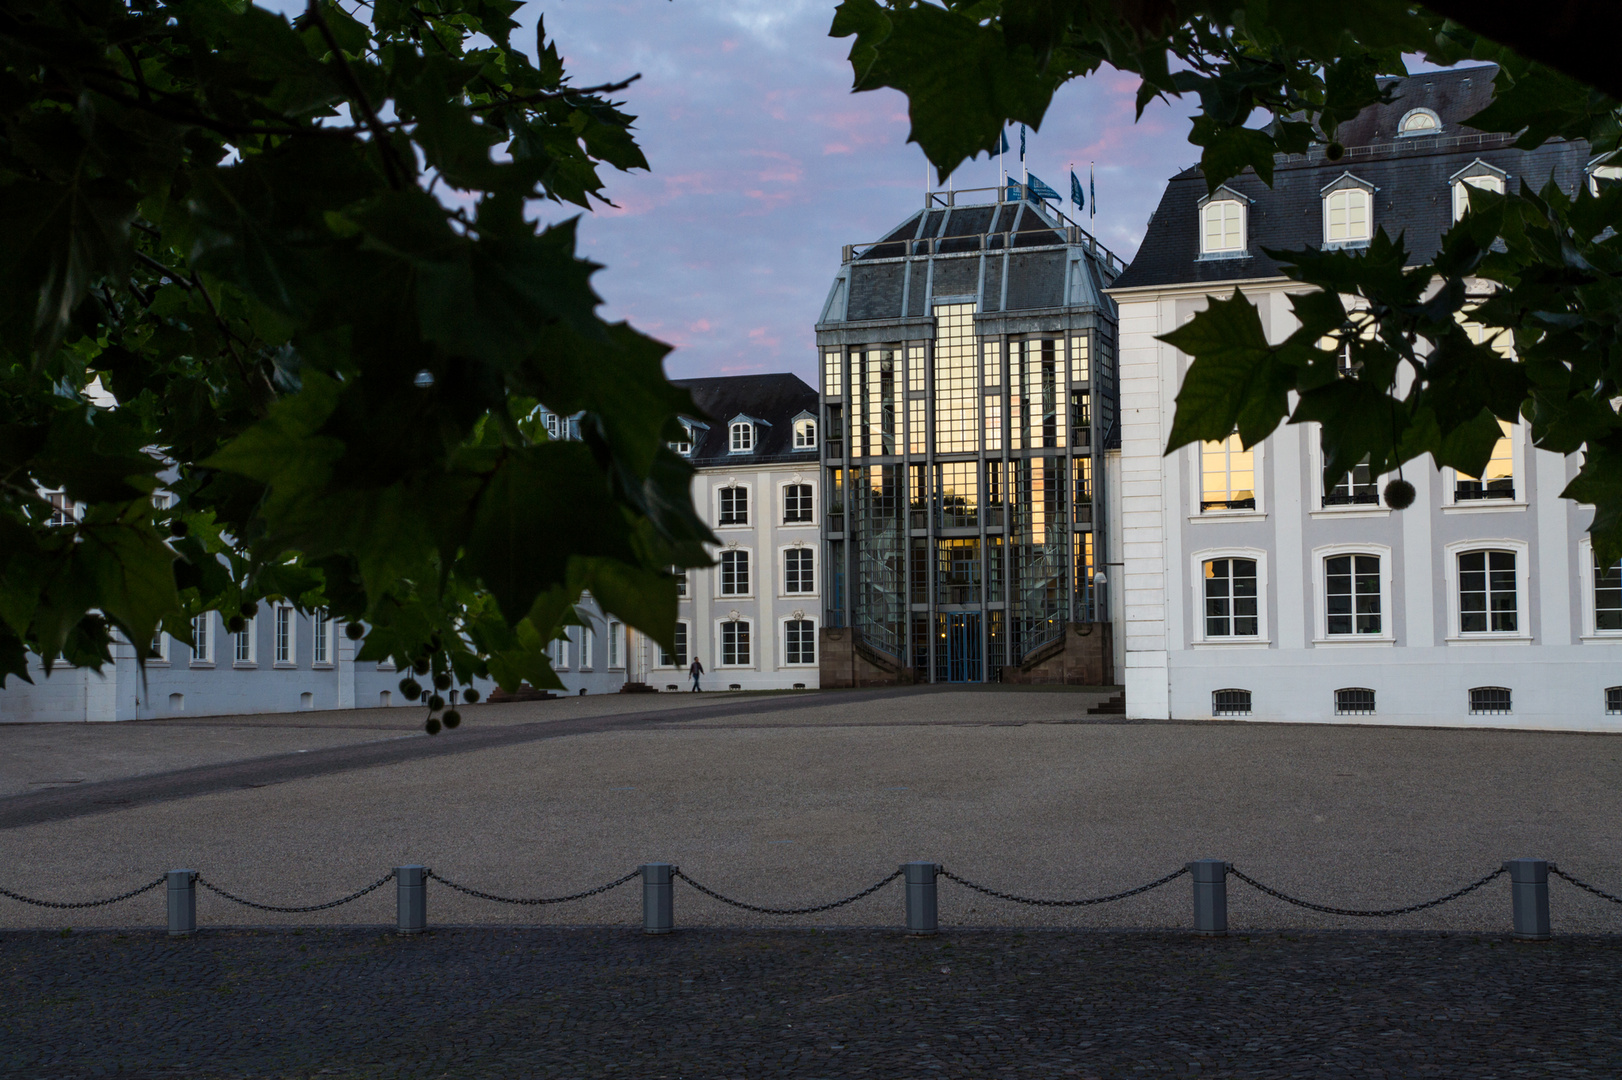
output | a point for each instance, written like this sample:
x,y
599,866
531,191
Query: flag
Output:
x,y
1038,189
1022,142
1015,190
1076,195
1092,190
1004,149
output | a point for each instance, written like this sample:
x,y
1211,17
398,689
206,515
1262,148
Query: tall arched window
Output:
x,y
743,437
1347,216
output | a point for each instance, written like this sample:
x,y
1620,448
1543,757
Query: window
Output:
x,y
1346,216
1490,701
1222,226
1231,599
1419,122
805,434
1356,488
797,507
560,658
1461,191
685,446
1354,701
321,645
1352,594
1487,593
735,643
833,369
245,642
734,506
734,573
957,494
588,646
202,648
284,635
1607,595
64,511
799,642
615,631
160,648
798,566
1230,703
1613,701
680,573
677,659
743,437
1227,475
1498,481
1603,177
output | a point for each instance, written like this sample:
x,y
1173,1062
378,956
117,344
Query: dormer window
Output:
x,y
1604,172
1222,223
1419,122
684,447
1476,175
743,437
805,434
1348,212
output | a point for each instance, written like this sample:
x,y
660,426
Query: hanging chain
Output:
x,y
378,884
539,899
86,903
870,890
1373,914
1583,885
1173,876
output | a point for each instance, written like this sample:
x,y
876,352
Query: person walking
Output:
x,y
695,671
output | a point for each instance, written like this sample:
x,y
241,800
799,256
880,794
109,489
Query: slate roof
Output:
x,y
1410,174
777,399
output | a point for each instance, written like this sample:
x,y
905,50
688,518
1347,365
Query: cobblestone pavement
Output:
x,y
835,1003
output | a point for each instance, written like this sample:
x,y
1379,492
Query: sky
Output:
x,y
764,164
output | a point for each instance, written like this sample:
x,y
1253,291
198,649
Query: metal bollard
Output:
x,y
1210,896
921,909
658,899
182,902
411,898
1529,889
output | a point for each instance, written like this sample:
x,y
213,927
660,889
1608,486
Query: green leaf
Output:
x,y
645,599
128,566
1236,380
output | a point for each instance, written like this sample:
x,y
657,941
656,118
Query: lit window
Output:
x,y
805,434
1420,122
734,506
735,644
743,437
734,573
1227,475
1230,703
202,647
1346,216
321,644
284,635
957,494
1490,701
797,504
1231,602
1222,226
1354,701
1607,595
1498,481
1487,593
799,642
1461,191
833,369
1352,594
799,570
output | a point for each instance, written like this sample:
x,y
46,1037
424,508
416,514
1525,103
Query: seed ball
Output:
x,y
435,702
248,609
411,688
178,527
354,631
1399,494
235,624
452,718
432,726
421,666
471,696
1334,151
442,681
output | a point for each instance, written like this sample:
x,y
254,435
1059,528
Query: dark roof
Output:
x,y
960,228
777,399
1410,174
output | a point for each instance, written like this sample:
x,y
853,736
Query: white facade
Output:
x,y
1426,649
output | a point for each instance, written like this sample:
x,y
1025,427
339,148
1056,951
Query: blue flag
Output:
x,y
1004,149
1076,195
1022,142
1040,190
1015,192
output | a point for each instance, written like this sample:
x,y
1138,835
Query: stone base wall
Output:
x,y
846,662
1083,657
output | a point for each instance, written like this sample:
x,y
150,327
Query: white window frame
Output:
x,y
1461,197
1523,606
1197,563
323,638
679,663
560,651
160,650
614,642
1320,596
1197,482
782,502
684,447
749,569
588,648
741,437
1452,504
1348,191
805,433
249,634
720,643
1585,581
204,657
816,642
288,657
1223,200
782,561
748,505
1434,129
680,573
1315,464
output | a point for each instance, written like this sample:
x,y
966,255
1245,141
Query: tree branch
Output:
x,y
393,168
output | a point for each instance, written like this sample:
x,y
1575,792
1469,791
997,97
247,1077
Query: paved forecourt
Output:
x,y
801,798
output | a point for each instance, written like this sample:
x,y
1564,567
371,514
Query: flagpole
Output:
x,y
1092,190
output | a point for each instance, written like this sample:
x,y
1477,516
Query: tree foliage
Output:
x,y
1550,260
274,312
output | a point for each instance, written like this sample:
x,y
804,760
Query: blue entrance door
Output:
x,y
963,648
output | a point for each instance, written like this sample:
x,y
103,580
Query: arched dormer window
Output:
x,y
1419,122
1348,212
743,437
1223,221
1478,174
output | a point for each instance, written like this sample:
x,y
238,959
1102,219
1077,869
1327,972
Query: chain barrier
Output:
x,y
378,884
1375,914
539,899
1583,885
1173,876
869,891
86,903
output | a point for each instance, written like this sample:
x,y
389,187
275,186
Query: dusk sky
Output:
x,y
764,164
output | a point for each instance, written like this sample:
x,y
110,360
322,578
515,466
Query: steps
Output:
x,y
1115,706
